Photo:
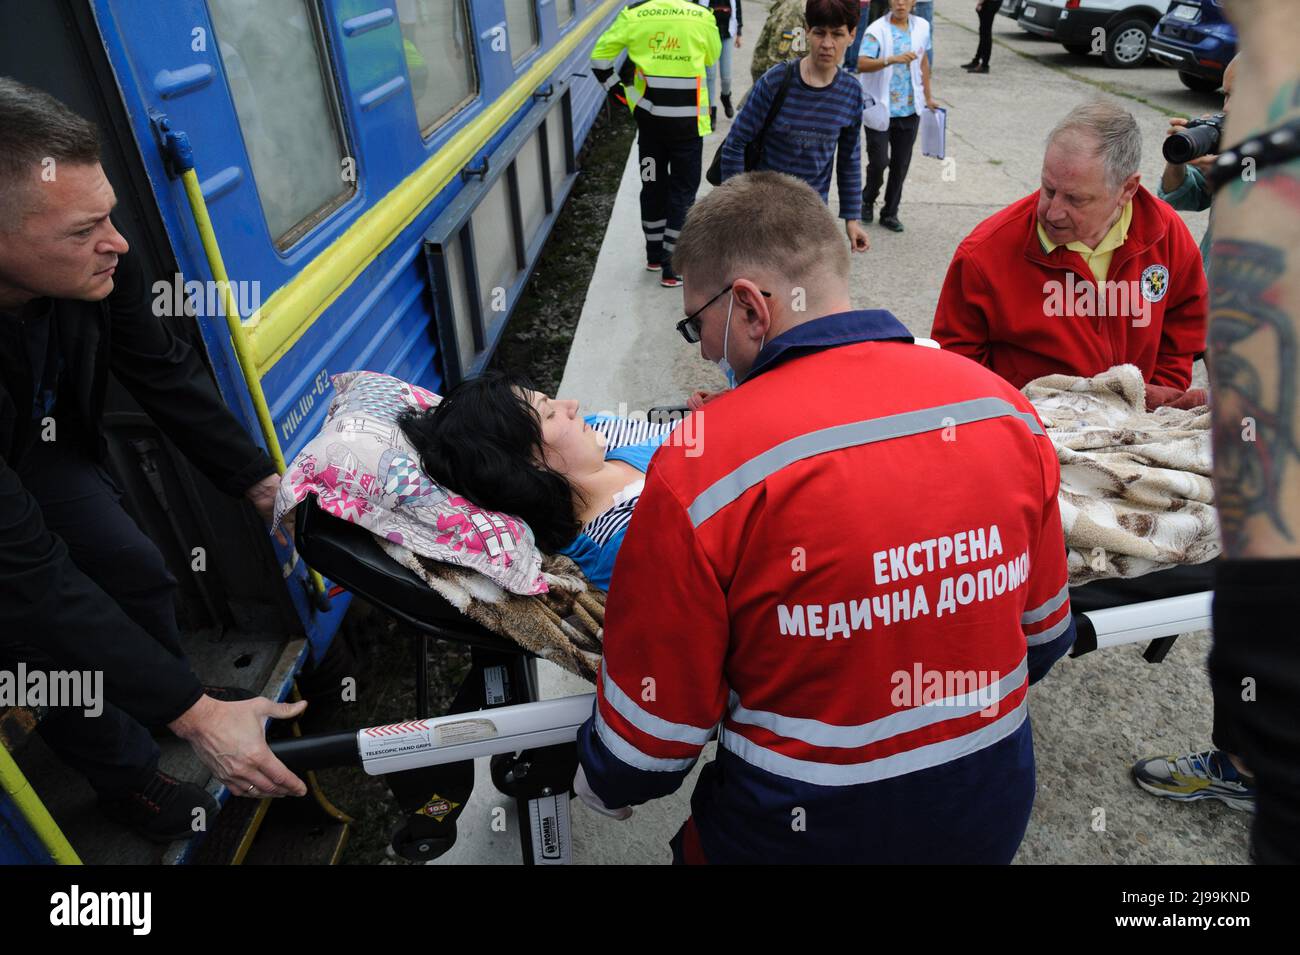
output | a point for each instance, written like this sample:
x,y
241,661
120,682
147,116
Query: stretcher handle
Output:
x,y
318,751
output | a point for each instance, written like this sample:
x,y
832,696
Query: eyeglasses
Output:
x,y
689,327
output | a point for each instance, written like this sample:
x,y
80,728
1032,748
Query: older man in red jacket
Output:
x,y
1089,272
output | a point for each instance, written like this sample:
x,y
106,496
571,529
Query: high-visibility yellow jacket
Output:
x,y
658,50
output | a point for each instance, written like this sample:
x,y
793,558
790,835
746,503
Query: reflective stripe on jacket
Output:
x,y
857,573
658,50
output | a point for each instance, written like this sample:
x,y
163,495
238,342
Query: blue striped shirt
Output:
x,y
633,442
804,135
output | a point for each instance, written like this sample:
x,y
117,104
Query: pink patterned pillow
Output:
x,y
361,468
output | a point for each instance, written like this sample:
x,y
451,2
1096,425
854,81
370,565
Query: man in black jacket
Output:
x,y
81,587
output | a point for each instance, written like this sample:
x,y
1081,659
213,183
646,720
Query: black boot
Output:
x,y
162,808
726,105
982,68
972,64
868,207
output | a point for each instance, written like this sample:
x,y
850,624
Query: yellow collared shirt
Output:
x,y
1098,259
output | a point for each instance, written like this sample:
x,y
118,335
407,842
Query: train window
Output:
x,y
521,22
462,312
494,251
273,54
438,41
532,188
555,145
564,10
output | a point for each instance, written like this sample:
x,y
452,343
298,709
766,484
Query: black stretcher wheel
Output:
x,y
421,839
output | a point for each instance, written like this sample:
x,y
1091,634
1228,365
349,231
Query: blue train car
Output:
x,y
380,177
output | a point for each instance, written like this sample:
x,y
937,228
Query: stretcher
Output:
x,y
428,761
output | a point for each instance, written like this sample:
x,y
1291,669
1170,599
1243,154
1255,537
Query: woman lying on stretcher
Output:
x,y
574,480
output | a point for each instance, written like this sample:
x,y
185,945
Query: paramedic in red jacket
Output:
x,y
1089,272
857,572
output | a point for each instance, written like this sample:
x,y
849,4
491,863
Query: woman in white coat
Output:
x,y
892,70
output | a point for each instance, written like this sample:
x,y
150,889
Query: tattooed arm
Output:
x,y
1254,336
1254,327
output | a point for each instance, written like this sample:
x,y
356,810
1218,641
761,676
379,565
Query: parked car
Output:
x,y
1126,26
1198,40
1012,8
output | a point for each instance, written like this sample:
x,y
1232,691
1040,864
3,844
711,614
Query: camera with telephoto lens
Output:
x,y
1200,137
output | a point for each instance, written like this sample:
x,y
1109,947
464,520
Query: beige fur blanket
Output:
x,y
564,625
1135,484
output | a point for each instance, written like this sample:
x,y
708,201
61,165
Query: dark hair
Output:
x,y
832,14
35,126
484,441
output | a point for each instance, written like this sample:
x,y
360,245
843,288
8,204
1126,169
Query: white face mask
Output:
x,y
722,362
